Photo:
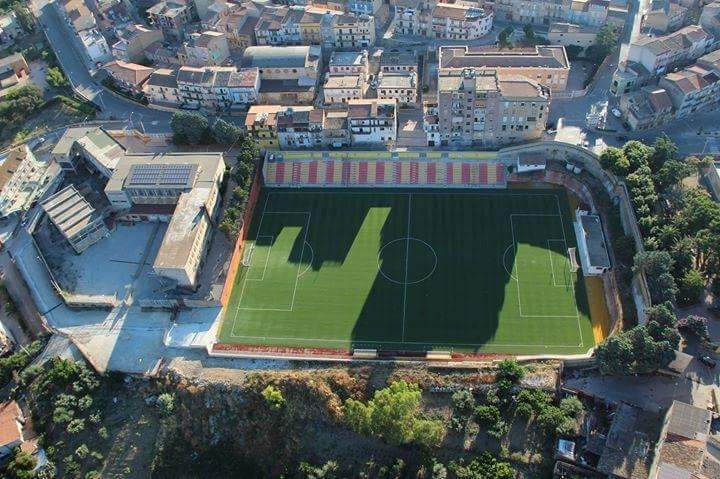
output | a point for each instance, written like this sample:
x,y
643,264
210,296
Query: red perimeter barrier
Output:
x,y
242,235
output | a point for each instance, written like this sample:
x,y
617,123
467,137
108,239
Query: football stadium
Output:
x,y
356,251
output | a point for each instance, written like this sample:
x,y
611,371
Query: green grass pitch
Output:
x,y
482,271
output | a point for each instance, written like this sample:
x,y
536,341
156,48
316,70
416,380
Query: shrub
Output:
x,y
166,403
524,410
571,406
463,402
487,415
82,451
76,426
691,287
273,397
510,370
695,325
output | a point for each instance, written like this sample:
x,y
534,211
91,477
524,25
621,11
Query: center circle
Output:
x,y
393,262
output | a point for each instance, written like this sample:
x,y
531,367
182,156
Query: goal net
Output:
x,y
573,260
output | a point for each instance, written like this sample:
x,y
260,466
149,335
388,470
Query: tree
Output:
x,y
573,52
657,265
529,32
188,128
691,287
55,78
485,466
22,464
638,154
273,397
394,415
505,37
571,406
510,369
695,325
614,160
605,43
664,150
329,470
25,17
672,173
225,132
615,355
487,415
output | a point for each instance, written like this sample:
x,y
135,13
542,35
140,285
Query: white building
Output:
x,y
591,243
95,45
401,86
372,121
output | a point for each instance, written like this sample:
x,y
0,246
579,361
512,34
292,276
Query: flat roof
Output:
x,y
597,249
541,56
206,164
183,229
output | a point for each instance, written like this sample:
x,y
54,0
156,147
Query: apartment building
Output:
x,y
285,127
648,107
77,221
238,24
10,28
339,89
664,16
401,61
443,20
488,109
567,34
218,88
171,17
90,148
459,22
133,40
658,54
300,128
20,179
431,124
364,7
95,45
205,49
182,186
161,88
548,65
14,71
353,32
77,14
289,75
372,121
349,63
545,12
695,88
710,19
400,85
128,76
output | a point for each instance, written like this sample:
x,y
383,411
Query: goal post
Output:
x,y
573,260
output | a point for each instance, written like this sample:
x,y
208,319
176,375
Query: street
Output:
x,y
64,44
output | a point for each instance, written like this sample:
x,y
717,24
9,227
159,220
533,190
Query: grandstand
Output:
x,y
384,169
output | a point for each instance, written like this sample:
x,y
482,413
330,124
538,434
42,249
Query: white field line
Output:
x,y
517,279
267,258
552,266
572,283
407,265
279,338
245,281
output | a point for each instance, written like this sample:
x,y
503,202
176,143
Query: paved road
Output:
x,y
75,64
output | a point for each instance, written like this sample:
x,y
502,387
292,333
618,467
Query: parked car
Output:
x,y
616,113
707,361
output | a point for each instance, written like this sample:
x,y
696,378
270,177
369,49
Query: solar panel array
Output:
x,y
160,174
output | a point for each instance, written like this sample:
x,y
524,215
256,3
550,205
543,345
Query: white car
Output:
x,y
616,113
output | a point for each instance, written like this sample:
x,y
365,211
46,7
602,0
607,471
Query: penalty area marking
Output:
x,y
297,274
406,282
